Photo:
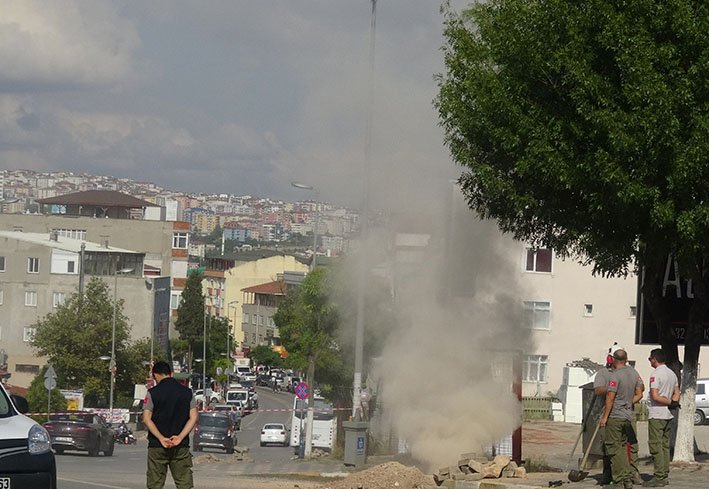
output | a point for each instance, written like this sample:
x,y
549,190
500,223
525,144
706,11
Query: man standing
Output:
x,y
625,388
170,413
600,388
664,393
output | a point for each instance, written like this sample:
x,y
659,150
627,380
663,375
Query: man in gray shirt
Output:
x,y
625,388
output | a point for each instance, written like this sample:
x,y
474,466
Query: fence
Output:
x,y
537,408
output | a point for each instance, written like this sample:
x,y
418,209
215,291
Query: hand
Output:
x,y
166,442
603,422
674,405
175,440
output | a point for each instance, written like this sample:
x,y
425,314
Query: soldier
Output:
x,y
625,388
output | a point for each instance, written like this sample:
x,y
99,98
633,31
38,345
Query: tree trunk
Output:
x,y
310,377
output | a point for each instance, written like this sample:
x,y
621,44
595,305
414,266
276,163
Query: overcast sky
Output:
x,y
235,96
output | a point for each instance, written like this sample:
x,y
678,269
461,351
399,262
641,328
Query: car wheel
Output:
x,y
230,450
93,449
59,451
197,448
262,444
699,417
109,451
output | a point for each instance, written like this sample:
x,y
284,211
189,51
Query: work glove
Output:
x,y
674,405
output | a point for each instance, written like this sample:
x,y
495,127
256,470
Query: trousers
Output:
x,y
177,459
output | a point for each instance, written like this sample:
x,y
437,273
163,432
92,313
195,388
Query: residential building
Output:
x,y
259,304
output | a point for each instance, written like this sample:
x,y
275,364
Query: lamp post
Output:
x,y
231,328
304,186
112,364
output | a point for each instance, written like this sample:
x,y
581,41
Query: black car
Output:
x,y
26,458
214,429
82,431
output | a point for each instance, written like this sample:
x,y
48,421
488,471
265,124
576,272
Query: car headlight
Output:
x,y
38,440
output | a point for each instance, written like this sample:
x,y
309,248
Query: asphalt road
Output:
x,y
213,468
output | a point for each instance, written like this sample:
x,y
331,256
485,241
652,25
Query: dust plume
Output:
x,y
445,373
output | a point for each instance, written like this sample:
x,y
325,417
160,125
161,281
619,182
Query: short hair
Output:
x,y
620,355
659,355
162,368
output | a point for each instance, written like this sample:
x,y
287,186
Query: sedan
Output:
x,y
80,430
275,433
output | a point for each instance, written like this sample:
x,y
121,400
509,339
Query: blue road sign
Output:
x,y
301,390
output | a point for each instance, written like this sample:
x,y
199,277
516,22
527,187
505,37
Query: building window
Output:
x,y
2,263
260,320
633,311
535,368
28,334
58,299
70,266
31,298
538,260
32,265
2,297
588,310
26,368
245,319
179,240
71,233
537,315
253,319
175,300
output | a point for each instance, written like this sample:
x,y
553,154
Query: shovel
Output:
x,y
583,429
579,475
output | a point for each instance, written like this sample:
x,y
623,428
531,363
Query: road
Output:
x,y
213,468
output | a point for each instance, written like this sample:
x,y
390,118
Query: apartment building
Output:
x,y
39,271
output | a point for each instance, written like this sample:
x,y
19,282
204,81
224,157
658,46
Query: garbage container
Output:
x,y
355,442
591,418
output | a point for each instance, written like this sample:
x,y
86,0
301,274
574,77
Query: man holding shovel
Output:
x,y
625,388
600,388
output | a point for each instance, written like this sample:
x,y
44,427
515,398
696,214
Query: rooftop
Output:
x,y
61,243
106,198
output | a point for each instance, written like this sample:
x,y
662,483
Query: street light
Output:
x,y
112,364
304,186
231,328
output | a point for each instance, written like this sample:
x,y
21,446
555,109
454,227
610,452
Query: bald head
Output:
x,y
620,356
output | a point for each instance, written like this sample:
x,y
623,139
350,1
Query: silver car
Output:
x,y
702,399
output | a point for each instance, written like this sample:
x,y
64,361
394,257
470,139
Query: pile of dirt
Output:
x,y
391,475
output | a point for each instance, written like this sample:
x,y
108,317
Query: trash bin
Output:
x,y
591,418
355,442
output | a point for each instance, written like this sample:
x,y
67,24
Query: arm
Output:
x,y
656,397
177,439
676,394
600,390
639,389
148,422
610,397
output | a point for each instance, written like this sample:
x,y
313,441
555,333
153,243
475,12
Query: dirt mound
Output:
x,y
391,475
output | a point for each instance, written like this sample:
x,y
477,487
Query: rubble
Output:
x,y
475,467
390,475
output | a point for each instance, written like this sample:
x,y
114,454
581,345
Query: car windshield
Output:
x,y
214,421
322,410
79,417
5,409
222,408
274,427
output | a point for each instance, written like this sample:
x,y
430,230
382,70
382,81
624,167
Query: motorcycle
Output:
x,y
124,435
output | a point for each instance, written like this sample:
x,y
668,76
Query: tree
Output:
x,y
78,333
37,398
190,312
307,321
583,127
264,355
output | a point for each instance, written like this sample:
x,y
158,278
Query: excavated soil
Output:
x,y
390,475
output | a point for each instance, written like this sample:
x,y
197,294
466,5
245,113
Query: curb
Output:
x,y
489,485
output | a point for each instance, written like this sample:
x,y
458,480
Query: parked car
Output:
x,y
214,430
702,400
276,433
211,395
233,411
27,458
82,431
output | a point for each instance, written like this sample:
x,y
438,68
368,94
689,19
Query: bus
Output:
x,y
324,423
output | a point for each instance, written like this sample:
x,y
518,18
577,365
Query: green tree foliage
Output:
x,y
78,333
37,398
190,312
215,237
264,355
583,127
307,321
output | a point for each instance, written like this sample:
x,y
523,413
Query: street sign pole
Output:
x,y
301,391
50,382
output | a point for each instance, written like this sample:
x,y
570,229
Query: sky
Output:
x,y
232,96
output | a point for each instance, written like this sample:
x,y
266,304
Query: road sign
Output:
x,y
50,373
50,383
301,390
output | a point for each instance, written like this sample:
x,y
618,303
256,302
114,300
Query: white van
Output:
x,y
25,448
240,395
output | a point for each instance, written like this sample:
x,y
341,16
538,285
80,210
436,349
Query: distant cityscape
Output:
x,y
244,220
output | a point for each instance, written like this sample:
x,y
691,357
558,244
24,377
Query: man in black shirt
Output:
x,y
169,413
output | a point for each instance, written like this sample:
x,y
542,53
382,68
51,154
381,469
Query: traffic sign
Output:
x,y
50,383
301,390
50,373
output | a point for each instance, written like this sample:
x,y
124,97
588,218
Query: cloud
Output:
x,y
64,44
